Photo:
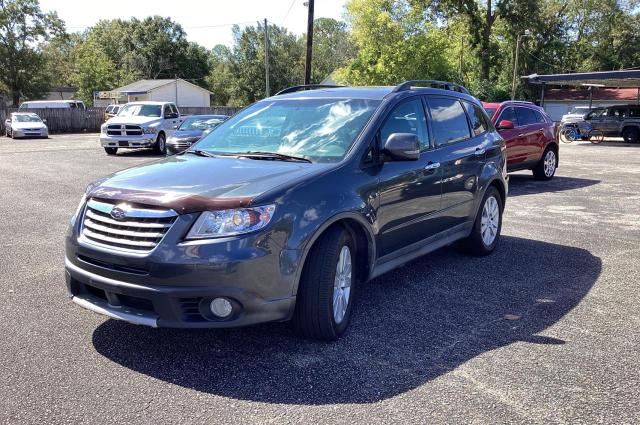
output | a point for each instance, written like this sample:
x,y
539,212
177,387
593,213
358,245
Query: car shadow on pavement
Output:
x,y
525,184
132,153
409,326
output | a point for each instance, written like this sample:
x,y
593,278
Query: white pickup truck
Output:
x,y
140,125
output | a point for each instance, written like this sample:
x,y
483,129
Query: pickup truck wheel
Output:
x,y
161,144
631,135
111,151
546,168
486,229
325,293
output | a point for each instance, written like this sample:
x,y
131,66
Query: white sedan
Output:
x,y
25,124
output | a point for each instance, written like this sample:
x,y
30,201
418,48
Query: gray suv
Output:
x,y
619,120
286,209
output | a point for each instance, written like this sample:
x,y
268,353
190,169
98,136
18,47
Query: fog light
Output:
x,y
221,307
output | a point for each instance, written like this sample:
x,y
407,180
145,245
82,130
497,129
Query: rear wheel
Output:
x,y
631,135
325,294
111,151
486,229
546,168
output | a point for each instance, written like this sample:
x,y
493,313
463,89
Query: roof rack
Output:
x,y
445,85
307,87
526,102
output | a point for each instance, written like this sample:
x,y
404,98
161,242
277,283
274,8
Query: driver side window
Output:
x,y
167,111
408,117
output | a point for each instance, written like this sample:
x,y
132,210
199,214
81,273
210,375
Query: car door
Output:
x,y
461,153
513,138
409,190
530,132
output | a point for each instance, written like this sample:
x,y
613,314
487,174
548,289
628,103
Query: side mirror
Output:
x,y
402,147
44,120
505,125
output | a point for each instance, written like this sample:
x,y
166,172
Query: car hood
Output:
x,y
186,134
21,125
189,183
133,120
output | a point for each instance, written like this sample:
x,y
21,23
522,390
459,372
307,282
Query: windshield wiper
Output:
x,y
272,156
201,153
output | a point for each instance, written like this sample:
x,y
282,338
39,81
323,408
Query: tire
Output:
x,y
566,136
161,144
631,135
475,244
546,167
318,313
596,136
111,151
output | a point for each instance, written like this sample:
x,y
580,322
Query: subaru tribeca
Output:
x,y
285,209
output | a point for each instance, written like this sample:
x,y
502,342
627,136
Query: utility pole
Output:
x,y
307,69
176,76
515,63
266,57
461,56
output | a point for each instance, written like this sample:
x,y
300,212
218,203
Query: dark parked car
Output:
x,y
616,121
191,130
530,136
286,208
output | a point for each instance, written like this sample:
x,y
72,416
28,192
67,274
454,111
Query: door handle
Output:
x,y
521,135
432,166
480,151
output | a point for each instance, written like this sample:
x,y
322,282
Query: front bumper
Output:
x,y
145,141
174,285
30,133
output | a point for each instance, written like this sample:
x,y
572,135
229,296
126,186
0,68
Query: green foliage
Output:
x,y
23,29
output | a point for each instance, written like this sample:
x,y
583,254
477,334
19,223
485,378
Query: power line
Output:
x,y
287,14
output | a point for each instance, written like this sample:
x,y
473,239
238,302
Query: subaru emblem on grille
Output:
x,y
118,213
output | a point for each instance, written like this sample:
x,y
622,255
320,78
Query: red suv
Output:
x,y
529,134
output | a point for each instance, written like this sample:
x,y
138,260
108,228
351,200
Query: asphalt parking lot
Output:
x,y
545,330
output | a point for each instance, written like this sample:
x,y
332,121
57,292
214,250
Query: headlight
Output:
x,y
213,224
150,130
83,200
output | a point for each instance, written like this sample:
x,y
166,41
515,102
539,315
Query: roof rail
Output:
x,y
526,102
445,85
306,87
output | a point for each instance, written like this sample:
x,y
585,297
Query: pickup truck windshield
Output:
x,y
200,123
137,110
320,130
27,118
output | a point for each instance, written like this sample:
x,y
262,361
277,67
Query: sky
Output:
x,y
206,22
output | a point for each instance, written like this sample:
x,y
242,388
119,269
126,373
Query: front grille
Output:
x,y
124,130
191,310
140,230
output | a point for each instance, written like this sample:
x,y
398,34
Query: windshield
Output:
x,y
579,110
491,111
320,130
27,118
138,110
200,123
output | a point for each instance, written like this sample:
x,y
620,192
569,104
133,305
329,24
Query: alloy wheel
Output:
x,y
342,285
549,163
489,221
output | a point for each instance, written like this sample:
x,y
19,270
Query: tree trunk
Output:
x,y
15,96
485,45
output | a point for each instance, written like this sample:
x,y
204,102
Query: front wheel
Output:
x,y
486,229
546,168
111,151
631,135
325,294
596,136
161,144
567,135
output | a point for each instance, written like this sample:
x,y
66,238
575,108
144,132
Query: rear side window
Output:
x,y
449,120
476,117
407,117
539,117
526,116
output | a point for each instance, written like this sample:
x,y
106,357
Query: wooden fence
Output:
x,y
75,120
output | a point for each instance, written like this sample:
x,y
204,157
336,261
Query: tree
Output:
x,y
23,28
395,42
332,48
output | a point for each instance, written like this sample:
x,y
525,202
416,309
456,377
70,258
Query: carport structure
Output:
x,y
589,80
